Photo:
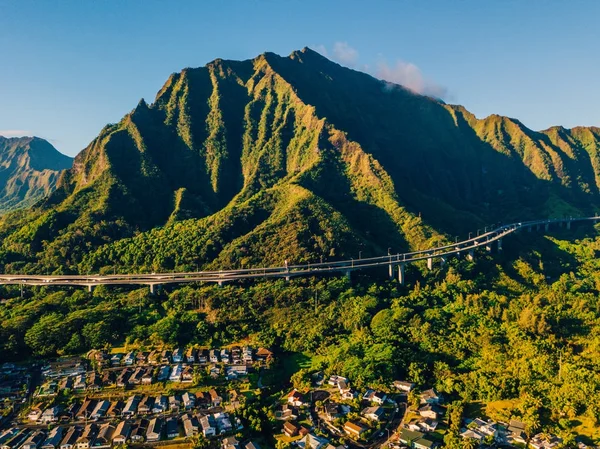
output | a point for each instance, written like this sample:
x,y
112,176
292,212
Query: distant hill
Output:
x,y
298,158
29,169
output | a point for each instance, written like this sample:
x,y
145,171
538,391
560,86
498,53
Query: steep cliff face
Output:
x,y
298,158
29,169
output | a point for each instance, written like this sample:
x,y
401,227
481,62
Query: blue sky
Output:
x,y
68,67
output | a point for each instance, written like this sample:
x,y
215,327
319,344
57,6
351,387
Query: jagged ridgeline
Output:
x,y
250,163
29,169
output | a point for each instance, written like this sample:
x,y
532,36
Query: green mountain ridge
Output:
x,y
249,163
29,170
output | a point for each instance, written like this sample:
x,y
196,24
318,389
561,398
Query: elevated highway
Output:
x,y
395,263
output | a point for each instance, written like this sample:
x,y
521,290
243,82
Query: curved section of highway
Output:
x,y
395,263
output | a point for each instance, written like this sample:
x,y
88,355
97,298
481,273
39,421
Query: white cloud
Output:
x,y
401,72
410,76
344,53
15,132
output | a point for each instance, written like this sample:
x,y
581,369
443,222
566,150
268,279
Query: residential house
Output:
x,y
163,373
141,358
14,438
408,437
123,378
86,409
311,441
79,382
516,431
174,403
175,375
374,413
354,430
542,441
130,358
154,357
131,406
87,437
187,375
215,371
334,380
247,354
154,431
100,410
236,371
34,440
104,438
213,356
203,356
332,411
138,431
375,396
422,425
404,386
50,415
172,429
161,404
424,443
479,429
191,426
70,438
177,355
108,378
287,412
431,396
165,356
290,429
54,438
191,355
252,445
230,443
223,422
215,398
225,356
115,359
121,433
94,382
189,400
264,354
208,426
136,377
203,399
431,411
295,398
236,355
66,383
115,409
148,376
145,406
35,414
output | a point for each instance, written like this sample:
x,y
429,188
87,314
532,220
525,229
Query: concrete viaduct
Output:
x,y
395,263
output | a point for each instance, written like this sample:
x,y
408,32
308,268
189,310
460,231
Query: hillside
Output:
x,y
29,169
254,162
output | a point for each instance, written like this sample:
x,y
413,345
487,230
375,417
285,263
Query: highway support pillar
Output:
x,y
471,255
401,277
90,288
499,245
488,247
430,263
569,225
391,271
348,275
547,227
151,289
443,261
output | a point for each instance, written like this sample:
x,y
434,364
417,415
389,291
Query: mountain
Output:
x,y
253,162
29,169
